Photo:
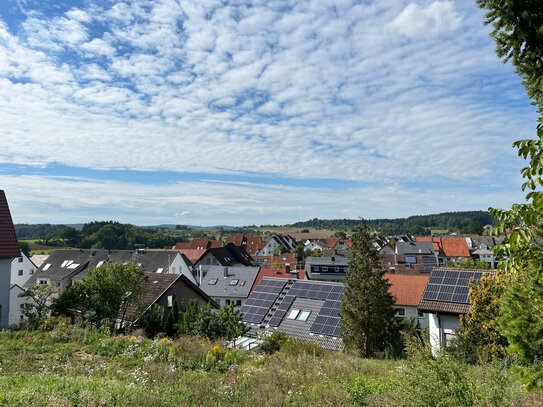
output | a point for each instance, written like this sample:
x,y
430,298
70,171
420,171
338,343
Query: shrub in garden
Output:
x,y
151,320
273,342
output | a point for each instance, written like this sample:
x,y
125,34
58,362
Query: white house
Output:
x,y
21,270
275,241
445,298
9,249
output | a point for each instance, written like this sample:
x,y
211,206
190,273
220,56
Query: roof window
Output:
x,y
160,270
242,283
46,267
304,315
234,282
293,314
213,281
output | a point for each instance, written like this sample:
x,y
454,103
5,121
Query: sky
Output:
x,y
212,112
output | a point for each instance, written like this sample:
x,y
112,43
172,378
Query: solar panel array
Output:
x,y
327,321
259,303
429,263
450,285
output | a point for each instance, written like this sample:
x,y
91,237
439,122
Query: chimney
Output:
x,y
225,270
287,268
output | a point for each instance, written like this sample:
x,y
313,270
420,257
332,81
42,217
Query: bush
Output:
x,y
273,342
364,386
297,347
151,320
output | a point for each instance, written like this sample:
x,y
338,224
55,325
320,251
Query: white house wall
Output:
x,y
24,265
442,330
5,276
15,303
178,266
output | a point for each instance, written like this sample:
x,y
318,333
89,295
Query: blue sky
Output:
x,y
214,112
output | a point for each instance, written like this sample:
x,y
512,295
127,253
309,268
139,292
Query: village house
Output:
x,y
199,244
445,298
326,268
63,267
22,269
9,249
407,291
163,289
227,256
228,285
287,241
251,244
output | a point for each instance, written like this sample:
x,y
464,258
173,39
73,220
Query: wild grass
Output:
x,y
73,366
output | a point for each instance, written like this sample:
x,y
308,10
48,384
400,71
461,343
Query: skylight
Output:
x,y
46,267
234,282
64,263
160,270
293,314
100,263
242,283
213,281
304,315
73,266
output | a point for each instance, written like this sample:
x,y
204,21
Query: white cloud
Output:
x,y
437,17
289,90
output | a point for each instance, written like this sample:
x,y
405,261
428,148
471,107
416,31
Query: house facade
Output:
x,y
275,241
331,268
9,249
227,285
407,291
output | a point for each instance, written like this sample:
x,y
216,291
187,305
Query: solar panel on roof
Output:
x,y
450,285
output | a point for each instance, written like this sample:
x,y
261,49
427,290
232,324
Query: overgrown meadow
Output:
x,y
71,366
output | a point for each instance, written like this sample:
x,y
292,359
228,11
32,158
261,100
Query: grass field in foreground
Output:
x,y
71,366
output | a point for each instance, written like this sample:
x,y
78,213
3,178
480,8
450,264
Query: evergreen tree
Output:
x,y
172,320
367,312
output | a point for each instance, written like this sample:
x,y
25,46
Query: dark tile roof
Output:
x,y
231,255
9,245
155,286
56,266
446,307
223,287
414,248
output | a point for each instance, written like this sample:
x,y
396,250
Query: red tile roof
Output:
x,y
198,244
281,259
279,274
448,246
237,239
332,242
455,247
9,245
407,288
193,254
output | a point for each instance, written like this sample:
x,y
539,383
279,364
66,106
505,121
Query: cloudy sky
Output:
x,y
235,112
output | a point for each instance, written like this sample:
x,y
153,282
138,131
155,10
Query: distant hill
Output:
x,y
413,225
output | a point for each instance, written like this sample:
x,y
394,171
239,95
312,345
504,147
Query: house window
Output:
x,y
304,315
324,268
43,282
31,271
238,303
213,281
420,314
293,314
234,282
20,259
20,272
227,302
170,301
400,312
21,307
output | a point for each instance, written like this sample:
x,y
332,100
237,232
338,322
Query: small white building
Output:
x,y
445,298
21,270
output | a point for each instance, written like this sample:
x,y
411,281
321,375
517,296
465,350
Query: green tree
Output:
x,y
36,310
232,322
108,291
280,249
71,236
473,228
367,312
25,248
519,38
188,318
470,264
172,320
478,334
521,322
151,320
341,234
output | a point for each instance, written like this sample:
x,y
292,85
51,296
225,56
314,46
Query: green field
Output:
x,y
76,367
